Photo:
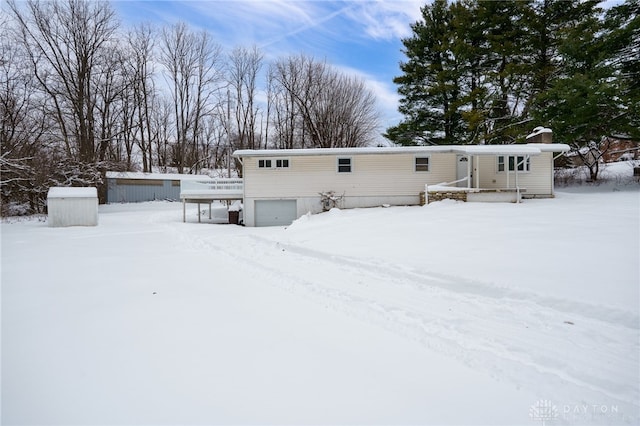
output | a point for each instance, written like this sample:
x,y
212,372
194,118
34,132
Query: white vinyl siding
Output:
x,y
372,175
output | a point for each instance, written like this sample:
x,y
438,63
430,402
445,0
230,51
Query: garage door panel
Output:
x,y
275,212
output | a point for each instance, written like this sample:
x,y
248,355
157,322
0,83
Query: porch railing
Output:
x,y
211,188
460,192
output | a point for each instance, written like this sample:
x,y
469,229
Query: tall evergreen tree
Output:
x,y
622,28
430,84
483,72
465,76
581,103
548,25
504,35
596,94
471,48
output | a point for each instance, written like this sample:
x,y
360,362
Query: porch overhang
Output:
x,y
472,191
528,149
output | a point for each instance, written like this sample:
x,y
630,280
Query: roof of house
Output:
x,y
520,149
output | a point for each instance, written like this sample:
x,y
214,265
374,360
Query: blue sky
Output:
x,y
360,37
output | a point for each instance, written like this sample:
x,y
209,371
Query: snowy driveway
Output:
x,y
363,316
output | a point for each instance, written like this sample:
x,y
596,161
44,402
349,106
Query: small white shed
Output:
x,y
72,206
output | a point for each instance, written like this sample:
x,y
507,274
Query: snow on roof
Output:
x,y
501,150
519,149
64,192
154,176
551,147
339,151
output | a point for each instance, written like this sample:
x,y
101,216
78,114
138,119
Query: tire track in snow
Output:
x,y
510,334
473,288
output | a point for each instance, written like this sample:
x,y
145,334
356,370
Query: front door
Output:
x,y
463,170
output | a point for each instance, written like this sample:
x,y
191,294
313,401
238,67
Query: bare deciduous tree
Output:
x,y
283,111
161,123
320,107
23,129
64,41
140,42
242,75
192,67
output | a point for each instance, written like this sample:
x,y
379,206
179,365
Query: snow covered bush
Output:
x,y
330,200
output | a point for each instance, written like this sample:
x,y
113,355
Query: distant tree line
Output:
x,y
490,71
80,95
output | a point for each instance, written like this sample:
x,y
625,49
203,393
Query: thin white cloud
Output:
x,y
258,21
312,23
267,22
385,20
385,92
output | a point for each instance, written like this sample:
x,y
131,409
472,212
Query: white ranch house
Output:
x,y
282,185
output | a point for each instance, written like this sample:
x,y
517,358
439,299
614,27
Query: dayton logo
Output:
x,y
544,411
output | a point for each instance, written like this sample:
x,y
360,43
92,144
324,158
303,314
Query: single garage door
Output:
x,y
275,212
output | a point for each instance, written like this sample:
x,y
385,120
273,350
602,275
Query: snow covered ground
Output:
x,y
451,313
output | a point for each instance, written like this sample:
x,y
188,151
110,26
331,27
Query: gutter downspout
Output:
x,y
240,160
244,186
517,186
553,183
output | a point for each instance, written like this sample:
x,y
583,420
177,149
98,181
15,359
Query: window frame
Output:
x,y
275,163
282,162
339,166
512,162
264,163
416,165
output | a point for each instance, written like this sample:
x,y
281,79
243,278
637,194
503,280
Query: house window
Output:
x,y
422,164
275,163
523,163
344,165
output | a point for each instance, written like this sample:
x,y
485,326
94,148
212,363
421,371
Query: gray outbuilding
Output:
x,y
133,187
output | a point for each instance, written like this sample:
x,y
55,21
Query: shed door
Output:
x,y
275,212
